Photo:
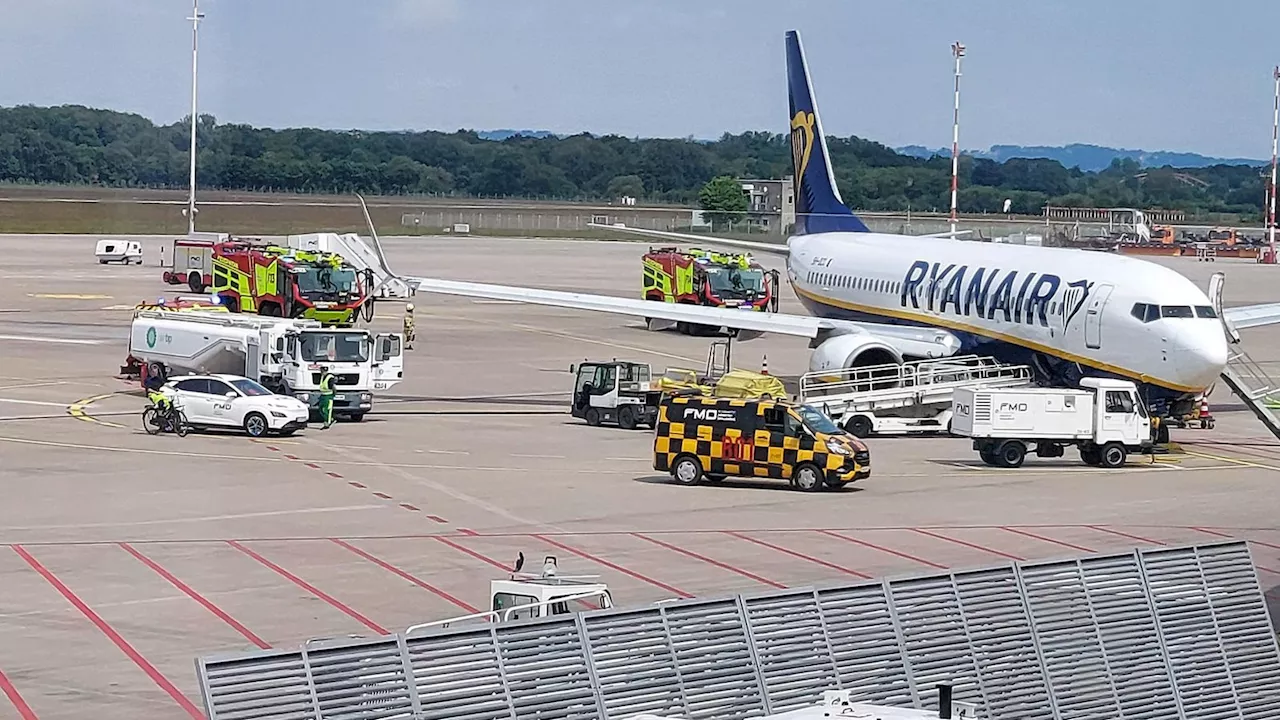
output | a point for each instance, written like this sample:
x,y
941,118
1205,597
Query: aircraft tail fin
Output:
x,y
819,207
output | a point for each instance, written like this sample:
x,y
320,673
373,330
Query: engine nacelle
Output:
x,y
853,350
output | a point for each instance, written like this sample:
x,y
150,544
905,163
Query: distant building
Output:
x,y
771,204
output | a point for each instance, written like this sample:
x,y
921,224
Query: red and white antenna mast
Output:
x,y
1275,132
957,50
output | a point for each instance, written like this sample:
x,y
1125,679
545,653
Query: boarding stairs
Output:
x,y
364,256
882,388
1246,378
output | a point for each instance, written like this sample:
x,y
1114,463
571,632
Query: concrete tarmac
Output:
x,y
124,556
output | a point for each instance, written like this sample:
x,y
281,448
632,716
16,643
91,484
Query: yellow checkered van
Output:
x,y
705,438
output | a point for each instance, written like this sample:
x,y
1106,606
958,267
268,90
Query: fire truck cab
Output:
x,y
709,278
286,282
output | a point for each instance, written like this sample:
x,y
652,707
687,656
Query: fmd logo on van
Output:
x,y
1012,407
710,414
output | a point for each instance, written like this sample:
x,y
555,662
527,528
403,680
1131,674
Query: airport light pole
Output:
x,y
957,50
1275,133
195,19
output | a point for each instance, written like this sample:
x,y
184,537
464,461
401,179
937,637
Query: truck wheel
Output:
x,y
987,456
859,426
592,416
1090,456
714,477
1011,453
195,282
1162,434
255,425
1113,455
626,418
687,470
808,478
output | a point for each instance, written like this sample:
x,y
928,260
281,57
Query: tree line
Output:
x,y
83,146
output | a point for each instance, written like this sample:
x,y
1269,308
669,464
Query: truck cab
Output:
x,y
525,595
615,391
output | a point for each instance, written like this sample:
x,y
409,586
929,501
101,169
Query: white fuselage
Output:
x,y
1074,305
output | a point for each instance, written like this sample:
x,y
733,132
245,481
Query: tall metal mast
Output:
x,y
1275,132
957,50
196,17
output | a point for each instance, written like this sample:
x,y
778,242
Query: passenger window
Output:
x,y
194,386
1205,311
773,419
791,426
219,388
1175,311
1119,402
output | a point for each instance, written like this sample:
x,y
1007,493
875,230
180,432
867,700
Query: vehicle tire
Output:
x,y
195,283
626,418
592,416
270,310
150,421
987,456
1091,456
1011,453
181,428
255,425
859,426
714,477
1113,455
357,417
687,470
808,478
1162,434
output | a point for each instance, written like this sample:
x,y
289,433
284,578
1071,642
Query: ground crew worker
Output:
x,y
408,326
326,397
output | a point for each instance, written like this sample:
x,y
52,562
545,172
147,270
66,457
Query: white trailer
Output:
x,y
287,356
121,251
902,398
1106,420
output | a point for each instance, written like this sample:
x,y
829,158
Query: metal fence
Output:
x,y
1148,635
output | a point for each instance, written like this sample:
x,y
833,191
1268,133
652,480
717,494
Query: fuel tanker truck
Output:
x,y
288,356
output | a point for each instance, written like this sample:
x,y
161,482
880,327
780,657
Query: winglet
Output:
x,y
819,207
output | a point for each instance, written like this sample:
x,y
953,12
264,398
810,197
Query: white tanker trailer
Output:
x,y
287,356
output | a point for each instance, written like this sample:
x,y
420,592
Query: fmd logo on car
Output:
x,y
710,414
1013,407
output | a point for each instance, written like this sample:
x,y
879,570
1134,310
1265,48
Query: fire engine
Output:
x,y
286,282
704,277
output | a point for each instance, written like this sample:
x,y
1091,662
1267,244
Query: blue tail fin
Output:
x,y
819,207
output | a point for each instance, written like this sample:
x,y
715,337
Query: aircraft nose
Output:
x,y
1202,355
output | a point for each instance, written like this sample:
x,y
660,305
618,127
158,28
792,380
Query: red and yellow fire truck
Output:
x,y
713,279
285,282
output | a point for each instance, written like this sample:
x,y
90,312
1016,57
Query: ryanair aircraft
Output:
x,y
879,298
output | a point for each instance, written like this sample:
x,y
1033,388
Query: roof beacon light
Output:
x,y
549,568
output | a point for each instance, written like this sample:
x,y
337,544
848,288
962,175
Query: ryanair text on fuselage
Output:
x,y
1018,297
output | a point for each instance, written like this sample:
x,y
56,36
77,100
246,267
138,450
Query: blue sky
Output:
x,y
1156,75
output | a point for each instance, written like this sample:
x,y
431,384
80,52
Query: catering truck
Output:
x,y
1105,419
286,355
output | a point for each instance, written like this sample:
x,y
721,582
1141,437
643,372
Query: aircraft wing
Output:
x,y
1250,316
761,247
910,341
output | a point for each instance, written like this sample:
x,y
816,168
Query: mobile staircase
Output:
x,y
364,256
1243,374
911,397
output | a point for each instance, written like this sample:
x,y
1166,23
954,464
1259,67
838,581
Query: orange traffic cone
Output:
x,y
764,365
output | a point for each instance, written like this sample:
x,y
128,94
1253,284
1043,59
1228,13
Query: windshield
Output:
x,y
816,420
326,281
335,347
634,373
1175,311
735,281
250,388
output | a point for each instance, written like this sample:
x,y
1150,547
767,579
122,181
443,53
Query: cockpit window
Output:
x,y
1176,311
1205,311
1146,312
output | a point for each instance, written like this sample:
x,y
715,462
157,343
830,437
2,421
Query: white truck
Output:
x,y
285,355
1106,420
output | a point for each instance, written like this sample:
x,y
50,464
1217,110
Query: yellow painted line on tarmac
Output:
x,y
77,410
1232,460
68,296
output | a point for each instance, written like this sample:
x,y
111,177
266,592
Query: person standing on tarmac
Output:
x,y
408,326
326,396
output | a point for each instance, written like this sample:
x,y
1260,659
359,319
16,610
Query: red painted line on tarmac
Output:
x,y
710,561
802,556
625,571
1046,538
313,466
883,549
124,646
436,519
1207,531
223,616
382,495
407,506
468,532
292,457
345,609
273,448
416,581
473,553
966,543
24,710
355,484
1130,536
333,475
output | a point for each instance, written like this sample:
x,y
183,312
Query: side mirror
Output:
x,y
573,369
232,396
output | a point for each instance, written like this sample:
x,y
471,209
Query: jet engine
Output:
x,y
839,352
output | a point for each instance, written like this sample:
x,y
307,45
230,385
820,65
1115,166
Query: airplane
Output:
x,y
878,298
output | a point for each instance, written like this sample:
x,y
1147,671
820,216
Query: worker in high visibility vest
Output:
x,y
326,397
408,326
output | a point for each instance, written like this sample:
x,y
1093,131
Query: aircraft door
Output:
x,y
1093,317
1215,300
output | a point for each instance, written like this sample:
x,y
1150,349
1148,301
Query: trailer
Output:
x,y
1105,419
903,398
288,356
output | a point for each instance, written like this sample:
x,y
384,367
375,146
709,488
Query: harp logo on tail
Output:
x,y
802,132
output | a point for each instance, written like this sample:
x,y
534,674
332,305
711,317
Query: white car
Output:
x,y
231,401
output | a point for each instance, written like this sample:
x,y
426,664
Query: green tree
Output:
x,y
625,186
722,200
